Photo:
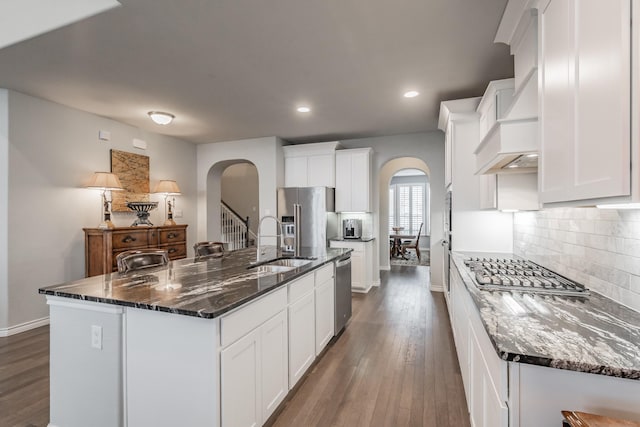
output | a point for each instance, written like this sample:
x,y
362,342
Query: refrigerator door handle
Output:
x,y
297,211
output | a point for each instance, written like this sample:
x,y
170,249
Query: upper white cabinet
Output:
x,y
494,104
353,180
310,165
585,100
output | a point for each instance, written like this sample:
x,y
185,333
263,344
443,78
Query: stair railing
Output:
x,y
234,229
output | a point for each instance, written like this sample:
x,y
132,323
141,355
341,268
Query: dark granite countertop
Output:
x,y
361,239
593,334
207,287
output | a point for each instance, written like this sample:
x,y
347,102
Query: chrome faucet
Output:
x,y
279,227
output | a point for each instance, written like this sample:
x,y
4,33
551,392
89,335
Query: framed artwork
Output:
x,y
133,171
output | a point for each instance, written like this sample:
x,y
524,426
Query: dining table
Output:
x,y
396,247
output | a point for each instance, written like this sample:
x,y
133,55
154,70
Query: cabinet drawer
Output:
x,y
177,251
171,236
324,273
300,287
240,322
130,239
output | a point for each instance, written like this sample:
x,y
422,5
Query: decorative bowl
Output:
x,y
142,212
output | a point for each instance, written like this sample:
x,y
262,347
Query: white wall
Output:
x,y
240,186
267,156
53,151
4,211
429,148
598,248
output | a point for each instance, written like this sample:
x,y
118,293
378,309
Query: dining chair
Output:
x,y
141,258
208,248
412,244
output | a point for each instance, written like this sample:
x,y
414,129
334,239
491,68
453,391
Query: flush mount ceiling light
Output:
x,y
411,94
160,117
303,109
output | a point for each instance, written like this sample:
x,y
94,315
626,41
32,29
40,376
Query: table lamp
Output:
x,y
168,188
105,181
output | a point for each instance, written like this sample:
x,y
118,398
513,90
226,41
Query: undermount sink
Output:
x,y
289,262
269,268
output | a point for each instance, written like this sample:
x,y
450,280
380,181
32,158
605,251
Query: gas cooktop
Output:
x,y
503,274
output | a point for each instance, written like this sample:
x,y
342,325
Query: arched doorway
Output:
x,y
232,193
387,171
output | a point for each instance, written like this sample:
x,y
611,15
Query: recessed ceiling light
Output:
x,y
160,117
411,94
303,109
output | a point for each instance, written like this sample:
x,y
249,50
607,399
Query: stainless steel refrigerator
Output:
x,y
312,211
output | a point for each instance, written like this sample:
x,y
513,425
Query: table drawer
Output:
x,y
130,239
173,235
177,251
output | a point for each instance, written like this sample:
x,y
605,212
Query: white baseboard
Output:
x,y
385,268
23,327
437,288
376,282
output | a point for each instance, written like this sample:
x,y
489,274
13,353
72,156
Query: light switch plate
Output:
x,y
140,143
104,135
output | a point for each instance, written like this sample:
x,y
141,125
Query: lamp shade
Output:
x,y
105,181
167,187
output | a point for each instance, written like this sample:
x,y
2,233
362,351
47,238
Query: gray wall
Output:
x,y
598,248
428,147
53,151
4,210
240,191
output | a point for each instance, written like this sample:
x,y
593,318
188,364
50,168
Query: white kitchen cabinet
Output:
x,y
353,180
275,363
361,263
254,361
585,100
310,165
509,192
240,382
494,104
324,300
302,344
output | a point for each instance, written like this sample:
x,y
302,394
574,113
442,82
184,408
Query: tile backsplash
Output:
x,y
599,248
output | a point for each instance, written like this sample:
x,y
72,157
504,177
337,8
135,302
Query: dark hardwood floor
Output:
x,y
395,365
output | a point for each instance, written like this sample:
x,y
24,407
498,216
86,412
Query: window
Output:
x,y
408,207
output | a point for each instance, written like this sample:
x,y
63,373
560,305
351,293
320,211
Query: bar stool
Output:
x,y
208,249
141,258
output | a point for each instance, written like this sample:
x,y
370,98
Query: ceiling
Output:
x,y
235,69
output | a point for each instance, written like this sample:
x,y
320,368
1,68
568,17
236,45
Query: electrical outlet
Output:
x,y
96,337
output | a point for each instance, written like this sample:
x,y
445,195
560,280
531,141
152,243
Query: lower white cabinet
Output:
x,y
240,378
254,374
361,263
302,344
325,296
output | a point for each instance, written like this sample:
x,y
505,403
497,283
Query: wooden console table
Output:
x,y
101,246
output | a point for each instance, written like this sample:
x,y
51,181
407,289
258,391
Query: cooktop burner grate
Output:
x,y
503,274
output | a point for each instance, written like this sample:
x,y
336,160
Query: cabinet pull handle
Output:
x,y
172,236
172,250
128,239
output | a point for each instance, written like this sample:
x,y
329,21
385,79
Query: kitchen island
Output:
x,y
524,357
207,342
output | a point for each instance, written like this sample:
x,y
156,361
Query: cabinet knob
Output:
x,y
172,250
128,239
172,236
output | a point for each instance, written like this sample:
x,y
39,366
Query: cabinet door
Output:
x,y
295,171
585,102
302,345
360,181
239,388
488,192
602,154
343,182
325,296
448,142
275,375
357,270
556,103
321,170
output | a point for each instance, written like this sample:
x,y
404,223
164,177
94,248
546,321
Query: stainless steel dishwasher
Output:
x,y
343,293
